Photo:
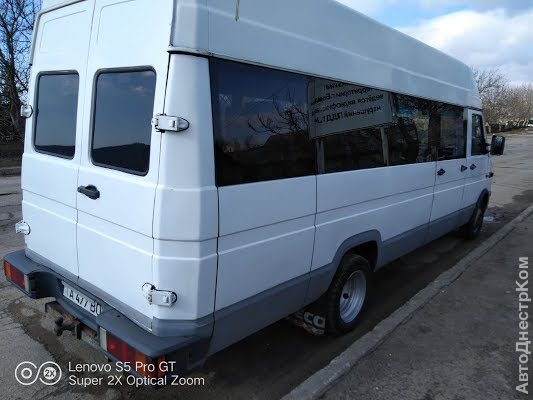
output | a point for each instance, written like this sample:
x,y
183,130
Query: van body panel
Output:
x,y
476,181
186,204
118,188
244,207
356,187
370,200
263,242
189,269
185,222
107,251
49,182
449,188
191,17
245,317
336,226
50,222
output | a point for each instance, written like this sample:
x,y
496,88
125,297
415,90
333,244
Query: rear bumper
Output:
x,y
188,351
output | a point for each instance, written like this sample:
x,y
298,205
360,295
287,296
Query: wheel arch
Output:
x,y
366,244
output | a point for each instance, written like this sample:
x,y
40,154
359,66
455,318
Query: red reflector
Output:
x,y
14,275
142,364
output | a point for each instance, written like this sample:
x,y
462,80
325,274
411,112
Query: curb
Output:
x,y
10,171
321,381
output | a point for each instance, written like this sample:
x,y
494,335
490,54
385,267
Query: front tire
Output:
x,y
473,228
348,294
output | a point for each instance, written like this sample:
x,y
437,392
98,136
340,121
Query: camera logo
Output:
x,y
48,373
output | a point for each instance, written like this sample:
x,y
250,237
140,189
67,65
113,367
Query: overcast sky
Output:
x,y
482,33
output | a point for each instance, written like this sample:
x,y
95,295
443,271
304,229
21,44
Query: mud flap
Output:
x,y
312,318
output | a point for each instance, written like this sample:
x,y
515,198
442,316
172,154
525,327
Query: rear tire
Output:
x,y
347,295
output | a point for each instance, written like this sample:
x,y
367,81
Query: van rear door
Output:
x,y
127,70
53,148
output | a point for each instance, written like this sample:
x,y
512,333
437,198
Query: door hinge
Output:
x,y
163,123
26,111
158,297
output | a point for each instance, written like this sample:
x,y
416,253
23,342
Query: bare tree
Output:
x,y
489,80
493,88
287,117
526,97
16,26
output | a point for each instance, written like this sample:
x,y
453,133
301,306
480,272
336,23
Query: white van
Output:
x,y
195,170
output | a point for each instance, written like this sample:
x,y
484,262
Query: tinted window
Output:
x,y
403,144
452,133
346,122
122,120
270,124
260,124
358,149
478,138
438,127
411,140
55,114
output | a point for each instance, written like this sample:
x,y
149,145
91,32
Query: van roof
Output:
x,y
322,38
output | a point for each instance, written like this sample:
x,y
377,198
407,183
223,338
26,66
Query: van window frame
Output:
x,y
35,111
99,72
483,142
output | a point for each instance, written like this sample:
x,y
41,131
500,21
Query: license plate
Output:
x,y
81,300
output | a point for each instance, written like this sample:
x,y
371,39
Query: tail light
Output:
x,y
142,364
16,277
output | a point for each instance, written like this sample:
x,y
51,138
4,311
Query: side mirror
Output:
x,y
498,145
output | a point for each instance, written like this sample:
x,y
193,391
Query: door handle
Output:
x,y
463,168
441,172
473,167
90,191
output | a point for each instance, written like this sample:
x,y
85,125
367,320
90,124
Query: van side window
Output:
x,y
346,121
123,111
452,144
478,137
358,149
408,139
260,123
270,124
56,114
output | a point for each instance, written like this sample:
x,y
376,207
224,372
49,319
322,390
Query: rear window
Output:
x,y
122,120
55,114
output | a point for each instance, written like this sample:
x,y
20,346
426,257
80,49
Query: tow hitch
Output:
x,y
66,322
62,326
